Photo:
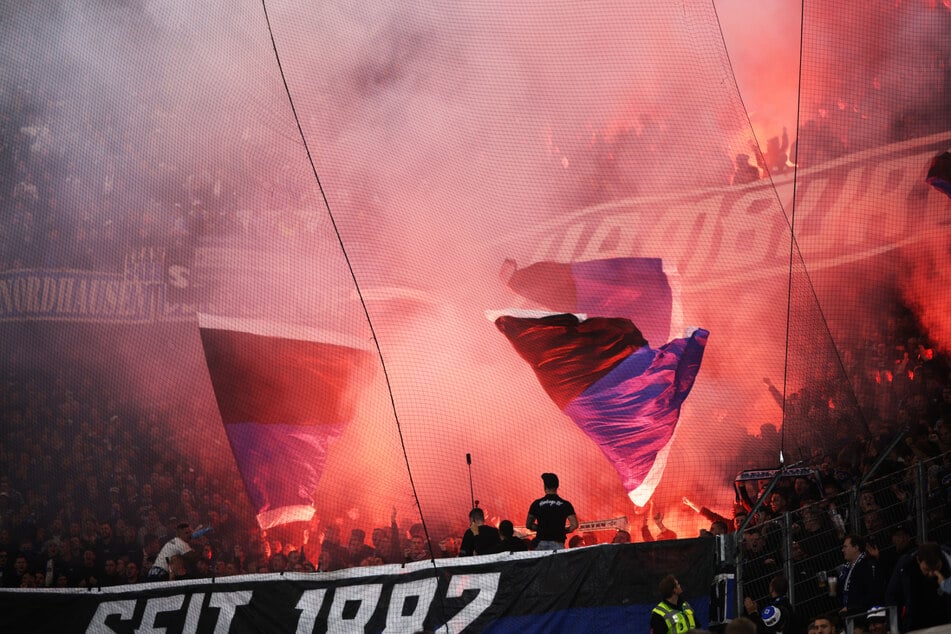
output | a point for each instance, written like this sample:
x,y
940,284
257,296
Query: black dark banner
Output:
x,y
606,588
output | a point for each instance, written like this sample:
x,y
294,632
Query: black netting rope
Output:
x,y
356,283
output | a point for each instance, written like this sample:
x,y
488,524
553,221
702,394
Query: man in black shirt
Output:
x,y
510,543
778,616
479,539
547,517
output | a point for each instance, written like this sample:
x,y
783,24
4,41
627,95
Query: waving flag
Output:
x,y
939,173
625,395
637,288
285,393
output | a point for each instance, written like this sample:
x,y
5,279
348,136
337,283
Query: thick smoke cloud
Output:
x,y
444,141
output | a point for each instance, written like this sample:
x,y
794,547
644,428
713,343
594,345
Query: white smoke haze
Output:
x,y
448,138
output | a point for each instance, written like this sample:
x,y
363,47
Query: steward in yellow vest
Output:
x,y
672,615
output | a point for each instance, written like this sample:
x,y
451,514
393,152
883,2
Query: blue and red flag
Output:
x,y
601,371
939,173
637,288
285,394
625,395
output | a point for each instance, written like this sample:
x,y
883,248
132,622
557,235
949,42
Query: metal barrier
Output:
x,y
889,612
893,512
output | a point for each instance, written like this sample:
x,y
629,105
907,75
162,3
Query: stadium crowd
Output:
x,y
127,491
83,182
82,504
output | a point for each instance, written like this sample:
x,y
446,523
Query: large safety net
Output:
x,y
248,251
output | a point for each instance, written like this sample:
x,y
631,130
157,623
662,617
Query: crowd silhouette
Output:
x,y
84,503
90,490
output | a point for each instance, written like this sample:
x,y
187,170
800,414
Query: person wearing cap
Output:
x,y
547,516
877,621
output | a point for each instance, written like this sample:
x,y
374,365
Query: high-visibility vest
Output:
x,y
679,619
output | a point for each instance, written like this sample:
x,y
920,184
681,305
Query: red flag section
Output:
x,y
284,395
